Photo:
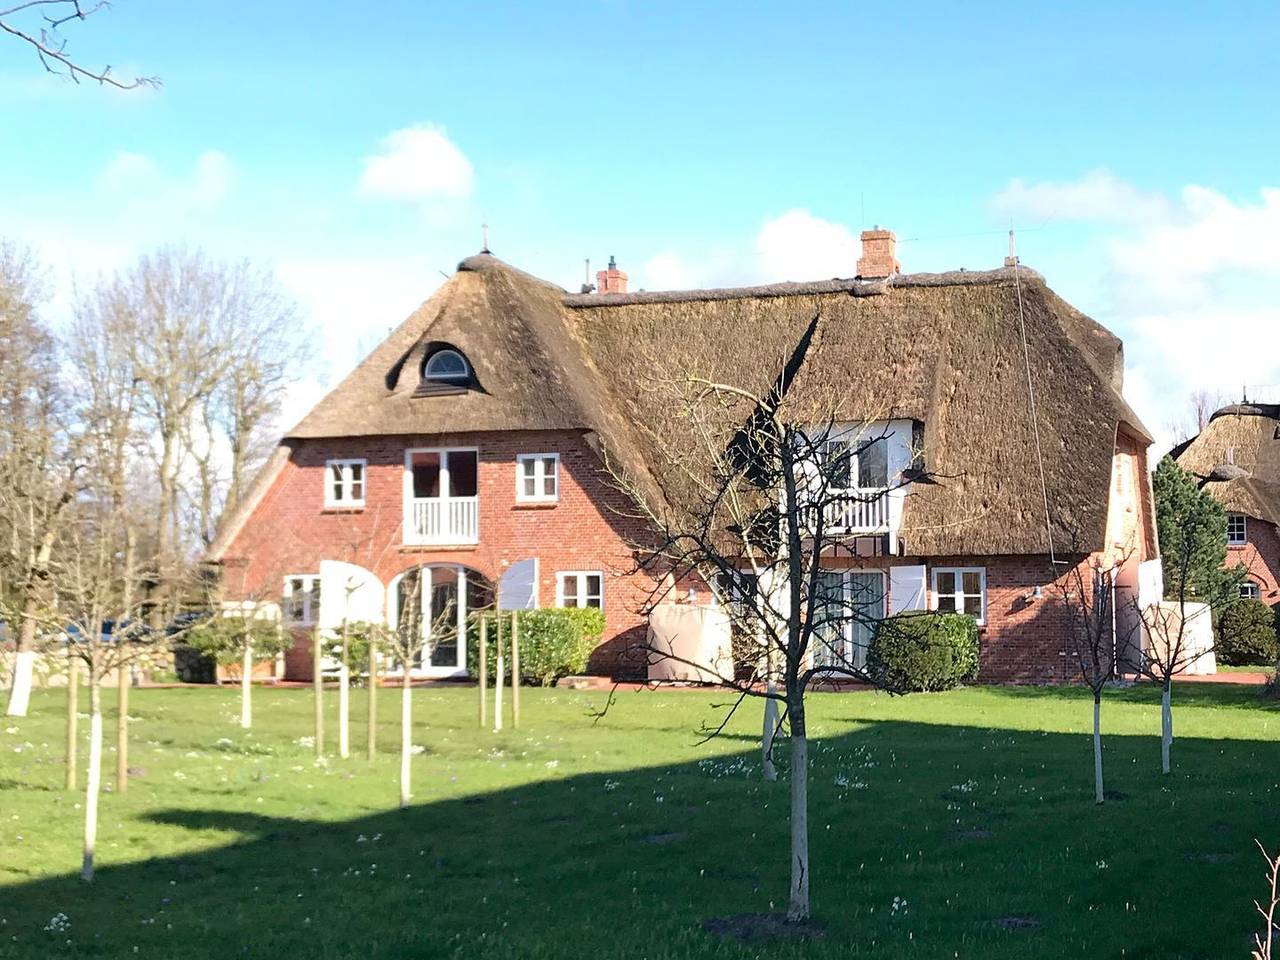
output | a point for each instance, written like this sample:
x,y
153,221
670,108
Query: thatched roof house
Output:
x,y
1237,458
945,350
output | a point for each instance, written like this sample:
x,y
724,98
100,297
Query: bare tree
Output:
x,y
1263,942
1087,593
770,491
44,35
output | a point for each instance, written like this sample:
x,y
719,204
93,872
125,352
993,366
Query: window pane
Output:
x,y
446,364
357,481
873,465
462,473
947,602
569,590
594,587
945,582
973,607
835,465
313,609
426,474
528,468
972,582
549,479
335,481
528,486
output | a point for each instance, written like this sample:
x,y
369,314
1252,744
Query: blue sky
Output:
x,y
700,143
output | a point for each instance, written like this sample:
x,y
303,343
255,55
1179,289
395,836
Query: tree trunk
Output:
x,y
122,728
798,908
246,685
344,702
406,736
317,688
73,718
1097,749
24,661
95,775
1166,726
371,716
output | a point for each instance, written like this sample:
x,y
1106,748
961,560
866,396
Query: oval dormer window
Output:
x,y
446,366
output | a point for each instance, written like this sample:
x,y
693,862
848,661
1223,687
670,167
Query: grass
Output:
x,y
569,839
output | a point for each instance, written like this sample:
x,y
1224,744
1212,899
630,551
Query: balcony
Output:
x,y
443,521
862,511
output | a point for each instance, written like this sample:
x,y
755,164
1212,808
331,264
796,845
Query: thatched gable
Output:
x,y
1237,458
942,349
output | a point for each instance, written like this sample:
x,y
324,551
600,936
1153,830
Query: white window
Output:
x,y
344,483
301,600
855,466
1237,529
446,366
961,590
537,477
580,588
1250,591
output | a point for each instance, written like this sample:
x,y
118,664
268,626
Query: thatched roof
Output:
x,y
942,349
1237,458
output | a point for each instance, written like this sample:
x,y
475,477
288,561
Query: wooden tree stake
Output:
x,y
317,687
515,671
122,728
73,717
483,657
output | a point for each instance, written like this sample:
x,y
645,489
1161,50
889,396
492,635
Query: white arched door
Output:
x,y
448,594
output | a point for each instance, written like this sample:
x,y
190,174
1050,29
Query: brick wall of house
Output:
x,y
1260,555
291,530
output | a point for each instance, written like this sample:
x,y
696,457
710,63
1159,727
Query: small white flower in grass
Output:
x,y
306,741
1101,864
362,839
58,923
10,729
417,748
611,785
552,764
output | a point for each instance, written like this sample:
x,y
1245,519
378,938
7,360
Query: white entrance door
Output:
x,y
850,605
445,594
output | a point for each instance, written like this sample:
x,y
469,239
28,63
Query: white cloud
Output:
x,y
417,163
137,180
800,246
1098,197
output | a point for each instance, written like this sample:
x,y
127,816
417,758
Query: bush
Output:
x,y
1247,634
922,651
554,643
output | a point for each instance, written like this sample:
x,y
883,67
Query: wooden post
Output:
x,y
515,671
483,657
497,684
371,716
344,699
317,688
73,717
122,728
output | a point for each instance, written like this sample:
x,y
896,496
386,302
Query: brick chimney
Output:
x,y
878,259
612,280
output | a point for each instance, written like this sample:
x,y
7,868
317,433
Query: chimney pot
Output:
x,y
611,280
879,259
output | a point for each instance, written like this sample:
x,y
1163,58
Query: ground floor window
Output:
x,y
301,600
961,590
849,605
580,588
1250,591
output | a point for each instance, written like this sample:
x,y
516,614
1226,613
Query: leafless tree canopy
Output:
x,y
40,25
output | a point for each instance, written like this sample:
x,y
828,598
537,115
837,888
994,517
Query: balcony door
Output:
x,y
441,490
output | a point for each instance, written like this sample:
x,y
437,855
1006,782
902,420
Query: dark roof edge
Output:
x,y
855,286
1270,410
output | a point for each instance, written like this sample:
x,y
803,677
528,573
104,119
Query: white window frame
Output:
x,y
1244,530
581,577
446,481
310,614
348,482
539,476
462,377
1250,590
852,452
959,593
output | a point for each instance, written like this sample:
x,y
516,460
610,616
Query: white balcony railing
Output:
x,y
443,520
862,511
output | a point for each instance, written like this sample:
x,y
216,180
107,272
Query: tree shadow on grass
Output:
x,y
926,841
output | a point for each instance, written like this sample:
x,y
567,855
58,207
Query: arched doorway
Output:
x,y
434,601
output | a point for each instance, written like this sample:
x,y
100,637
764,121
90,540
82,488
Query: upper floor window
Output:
x,y
301,600
580,588
537,477
961,590
344,483
446,366
848,466
1237,529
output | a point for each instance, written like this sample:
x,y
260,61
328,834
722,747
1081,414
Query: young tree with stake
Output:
x,y
238,636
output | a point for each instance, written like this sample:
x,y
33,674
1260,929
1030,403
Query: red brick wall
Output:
x,y
291,531
1261,557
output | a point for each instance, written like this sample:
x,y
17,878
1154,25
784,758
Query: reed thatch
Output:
x,y
945,350
1237,458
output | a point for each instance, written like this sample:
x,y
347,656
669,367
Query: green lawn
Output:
x,y
569,839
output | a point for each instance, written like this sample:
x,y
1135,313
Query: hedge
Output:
x,y
554,643
1247,634
923,651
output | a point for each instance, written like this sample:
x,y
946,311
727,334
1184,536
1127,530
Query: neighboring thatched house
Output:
x,y
469,449
1237,458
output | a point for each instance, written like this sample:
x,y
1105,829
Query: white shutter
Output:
x,y
350,594
1150,582
518,588
906,589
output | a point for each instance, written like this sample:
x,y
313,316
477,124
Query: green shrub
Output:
x,y
554,643
222,639
1247,634
922,651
